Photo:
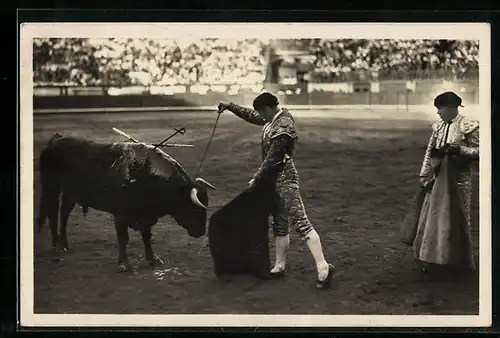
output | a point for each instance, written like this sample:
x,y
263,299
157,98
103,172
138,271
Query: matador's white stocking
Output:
x,y
314,244
282,245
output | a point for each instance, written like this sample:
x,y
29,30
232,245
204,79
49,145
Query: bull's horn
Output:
x,y
202,181
194,198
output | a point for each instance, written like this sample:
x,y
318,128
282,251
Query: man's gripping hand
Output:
x,y
426,182
453,149
223,105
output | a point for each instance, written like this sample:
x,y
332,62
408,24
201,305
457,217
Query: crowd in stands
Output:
x,y
124,62
147,62
393,59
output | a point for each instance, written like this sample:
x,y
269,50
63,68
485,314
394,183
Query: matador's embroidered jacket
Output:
x,y
278,142
465,133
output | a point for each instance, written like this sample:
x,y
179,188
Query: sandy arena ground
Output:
x,y
358,170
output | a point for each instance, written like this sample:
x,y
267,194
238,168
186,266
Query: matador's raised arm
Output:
x,y
247,114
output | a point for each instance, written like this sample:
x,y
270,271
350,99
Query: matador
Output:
x,y
443,237
277,169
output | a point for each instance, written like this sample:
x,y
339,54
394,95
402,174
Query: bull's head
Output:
x,y
176,193
191,207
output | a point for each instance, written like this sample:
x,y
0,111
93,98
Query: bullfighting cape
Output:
x,y
442,235
238,234
408,229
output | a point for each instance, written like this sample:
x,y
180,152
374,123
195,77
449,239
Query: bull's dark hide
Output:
x,y
94,175
239,235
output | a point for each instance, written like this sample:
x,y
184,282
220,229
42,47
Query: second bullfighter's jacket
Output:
x,y
463,132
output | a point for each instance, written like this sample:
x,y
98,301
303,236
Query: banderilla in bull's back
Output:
x,y
181,131
128,177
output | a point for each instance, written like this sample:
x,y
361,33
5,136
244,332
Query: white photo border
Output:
x,y
460,31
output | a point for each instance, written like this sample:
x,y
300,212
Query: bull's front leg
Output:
x,y
123,238
151,257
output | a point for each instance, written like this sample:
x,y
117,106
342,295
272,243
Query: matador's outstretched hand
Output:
x,y
223,105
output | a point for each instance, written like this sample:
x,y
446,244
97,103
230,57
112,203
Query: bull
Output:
x,y
75,170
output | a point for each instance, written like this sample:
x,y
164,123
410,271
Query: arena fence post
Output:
x,y
407,100
309,98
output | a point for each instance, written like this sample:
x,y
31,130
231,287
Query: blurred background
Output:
x,y
200,72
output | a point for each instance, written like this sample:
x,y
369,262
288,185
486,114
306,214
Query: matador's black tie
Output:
x,y
445,139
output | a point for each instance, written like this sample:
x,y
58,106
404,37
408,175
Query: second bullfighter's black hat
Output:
x,y
448,99
265,100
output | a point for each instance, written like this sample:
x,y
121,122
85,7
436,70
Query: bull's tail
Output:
x,y
51,186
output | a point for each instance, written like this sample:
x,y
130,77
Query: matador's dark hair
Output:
x,y
265,100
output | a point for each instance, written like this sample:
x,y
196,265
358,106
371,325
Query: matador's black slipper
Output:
x,y
325,284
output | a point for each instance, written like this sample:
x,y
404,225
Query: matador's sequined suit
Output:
x,y
278,141
465,133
